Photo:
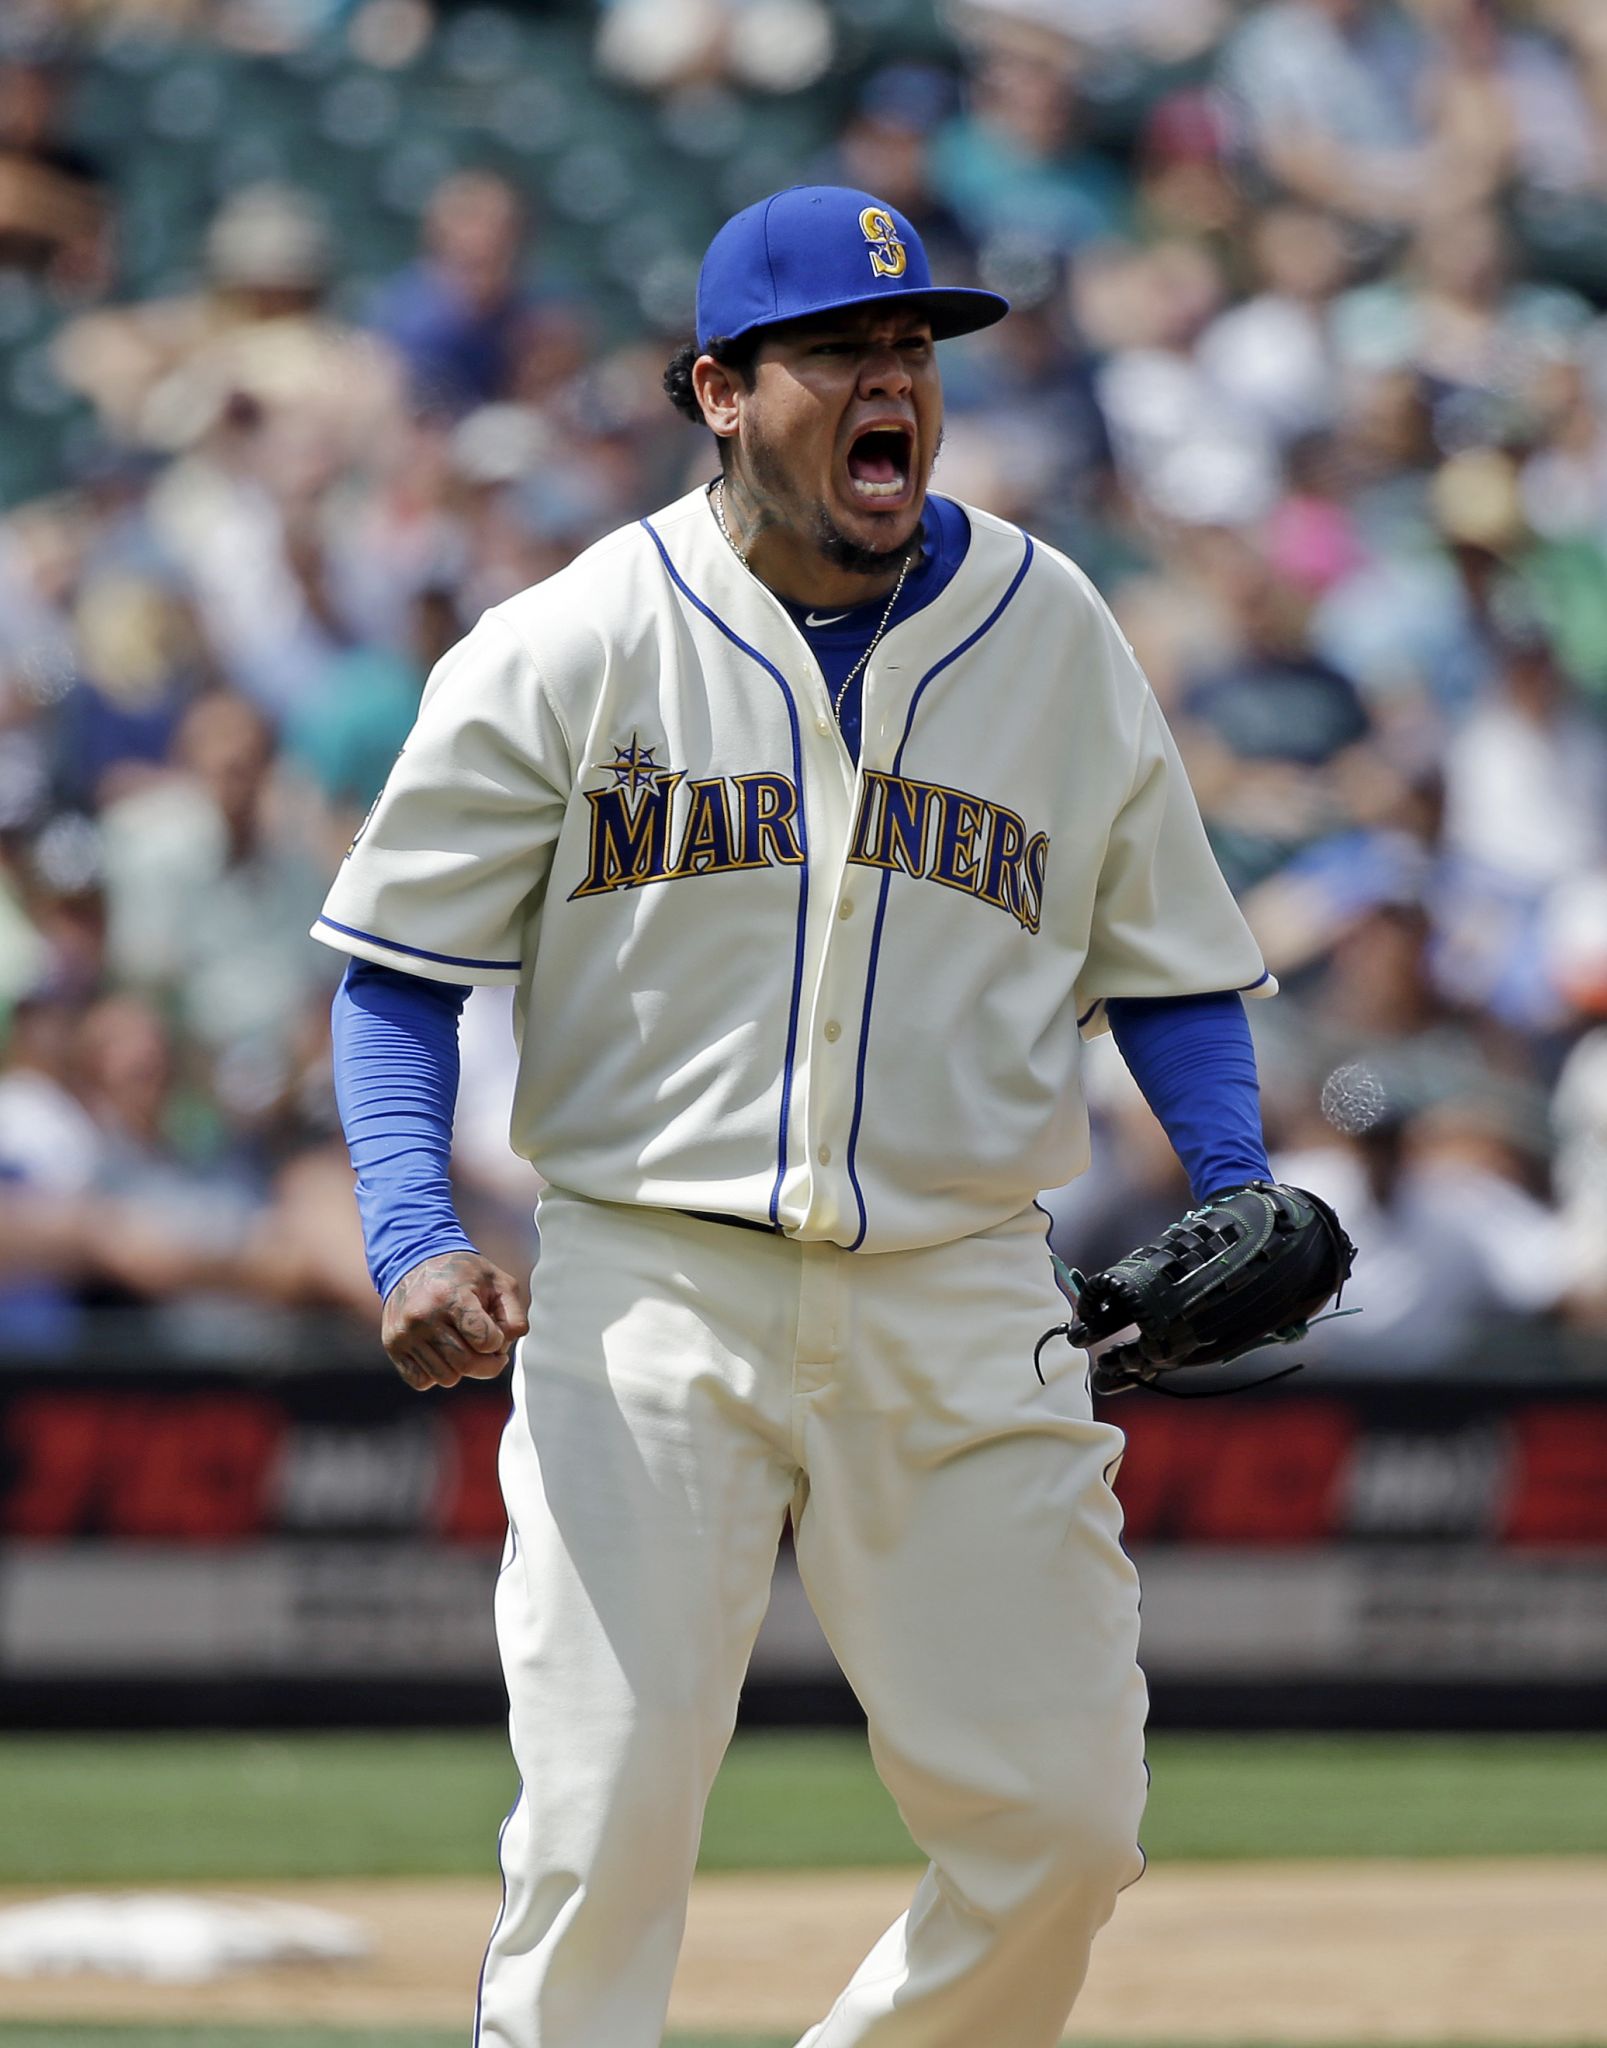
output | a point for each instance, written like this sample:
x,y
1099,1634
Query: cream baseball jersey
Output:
x,y
753,977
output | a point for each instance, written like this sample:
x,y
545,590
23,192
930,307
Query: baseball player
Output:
x,y
814,819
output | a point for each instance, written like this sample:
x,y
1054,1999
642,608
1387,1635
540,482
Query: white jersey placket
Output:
x,y
816,1198
837,1000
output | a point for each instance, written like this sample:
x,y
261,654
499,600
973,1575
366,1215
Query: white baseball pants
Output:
x,y
684,1385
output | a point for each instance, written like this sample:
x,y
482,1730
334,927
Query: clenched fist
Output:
x,y
454,1317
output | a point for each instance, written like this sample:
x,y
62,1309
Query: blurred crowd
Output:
x,y
1308,368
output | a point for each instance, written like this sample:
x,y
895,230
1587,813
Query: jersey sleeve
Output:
x,y
451,863
1164,921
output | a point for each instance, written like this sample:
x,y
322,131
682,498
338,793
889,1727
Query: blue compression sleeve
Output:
x,y
396,1083
1193,1059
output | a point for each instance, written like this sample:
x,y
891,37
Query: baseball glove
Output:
x,y
1247,1268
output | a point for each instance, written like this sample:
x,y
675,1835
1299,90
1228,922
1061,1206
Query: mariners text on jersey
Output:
x,y
652,824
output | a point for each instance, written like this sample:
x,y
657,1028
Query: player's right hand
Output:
x,y
454,1317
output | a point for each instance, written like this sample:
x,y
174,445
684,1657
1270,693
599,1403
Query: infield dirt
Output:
x,y
1386,1952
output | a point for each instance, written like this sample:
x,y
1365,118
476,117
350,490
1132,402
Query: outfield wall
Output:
x,y
200,1542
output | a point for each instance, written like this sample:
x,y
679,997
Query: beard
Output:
x,y
776,488
844,553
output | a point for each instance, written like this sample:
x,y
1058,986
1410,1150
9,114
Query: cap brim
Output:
x,y
962,309
952,309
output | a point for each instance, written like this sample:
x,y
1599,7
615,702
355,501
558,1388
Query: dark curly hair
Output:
x,y
736,356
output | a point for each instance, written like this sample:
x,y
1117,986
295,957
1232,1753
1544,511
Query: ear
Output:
x,y
718,390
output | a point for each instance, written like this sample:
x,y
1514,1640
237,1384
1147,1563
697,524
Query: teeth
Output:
x,y
893,489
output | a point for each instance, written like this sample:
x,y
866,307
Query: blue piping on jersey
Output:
x,y
953,655
419,952
781,683
1245,988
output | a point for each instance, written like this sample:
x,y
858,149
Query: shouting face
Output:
x,y
834,442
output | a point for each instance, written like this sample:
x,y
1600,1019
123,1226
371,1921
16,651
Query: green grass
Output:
x,y
194,1808
184,1807
1230,1797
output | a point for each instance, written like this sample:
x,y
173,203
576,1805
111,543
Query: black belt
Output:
x,y
740,1222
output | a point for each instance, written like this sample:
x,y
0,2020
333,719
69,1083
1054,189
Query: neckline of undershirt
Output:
x,y
945,538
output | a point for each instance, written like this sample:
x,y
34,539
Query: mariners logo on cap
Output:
x,y
886,251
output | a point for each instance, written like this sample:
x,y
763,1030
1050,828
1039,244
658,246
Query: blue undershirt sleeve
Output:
x,y
1193,1059
396,1083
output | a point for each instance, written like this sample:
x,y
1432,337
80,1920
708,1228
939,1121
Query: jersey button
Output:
x,y
846,907
822,725
834,1031
824,1155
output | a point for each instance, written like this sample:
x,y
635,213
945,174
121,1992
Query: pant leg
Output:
x,y
647,1476
960,1543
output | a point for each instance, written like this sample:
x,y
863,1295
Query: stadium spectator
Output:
x,y
212,883
162,371
460,315
1272,354
1276,741
346,733
1453,1250
139,662
1182,446
1012,165
1330,97
1512,98
55,208
48,1140
1184,177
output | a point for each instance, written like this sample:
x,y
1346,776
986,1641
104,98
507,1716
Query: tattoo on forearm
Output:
x,y
453,1268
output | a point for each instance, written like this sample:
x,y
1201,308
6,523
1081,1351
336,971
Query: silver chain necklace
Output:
x,y
875,638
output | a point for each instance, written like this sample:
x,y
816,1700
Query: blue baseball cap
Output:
x,y
821,249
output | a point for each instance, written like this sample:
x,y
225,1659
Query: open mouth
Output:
x,y
879,464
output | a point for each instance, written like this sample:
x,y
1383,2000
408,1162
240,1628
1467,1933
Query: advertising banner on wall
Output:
x,y
324,1527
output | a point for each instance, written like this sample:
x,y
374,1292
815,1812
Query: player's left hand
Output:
x,y
454,1317
1249,1267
